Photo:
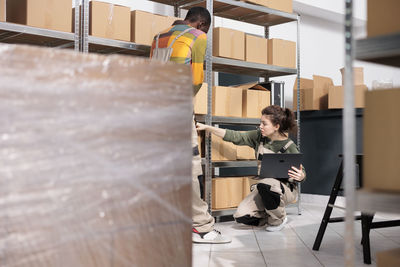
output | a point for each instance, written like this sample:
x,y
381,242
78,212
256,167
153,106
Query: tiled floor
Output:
x,y
253,246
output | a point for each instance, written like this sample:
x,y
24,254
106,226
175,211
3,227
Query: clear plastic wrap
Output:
x,y
95,157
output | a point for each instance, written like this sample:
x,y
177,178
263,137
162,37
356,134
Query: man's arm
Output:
x,y
198,55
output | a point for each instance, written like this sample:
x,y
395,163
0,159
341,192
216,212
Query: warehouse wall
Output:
x,y
321,38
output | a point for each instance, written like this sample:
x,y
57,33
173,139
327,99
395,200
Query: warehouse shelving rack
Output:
x,y
253,14
383,50
232,9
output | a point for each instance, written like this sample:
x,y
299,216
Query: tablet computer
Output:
x,y
277,165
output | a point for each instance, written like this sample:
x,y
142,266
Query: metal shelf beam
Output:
x,y
382,49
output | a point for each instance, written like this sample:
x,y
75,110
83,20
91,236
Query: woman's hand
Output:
x,y
200,126
296,174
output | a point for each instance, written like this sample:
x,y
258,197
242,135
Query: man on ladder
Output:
x,y
185,42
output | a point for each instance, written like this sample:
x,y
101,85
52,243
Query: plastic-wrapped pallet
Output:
x,y
95,156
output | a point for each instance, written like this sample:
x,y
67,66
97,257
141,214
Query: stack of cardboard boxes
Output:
x,y
106,20
282,5
234,44
320,93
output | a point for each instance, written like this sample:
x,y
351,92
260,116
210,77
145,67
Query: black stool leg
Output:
x,y
328,209
366,221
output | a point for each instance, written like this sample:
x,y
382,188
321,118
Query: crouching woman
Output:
x,y
265,205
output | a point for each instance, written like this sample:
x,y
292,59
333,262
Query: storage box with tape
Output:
x,y
47,14
227,192
336,96
256,49
282,5
245,153
228,43
110,21
221,150
381,127
200,100
227,101
154,24
282,53
358,75
313,93
255,98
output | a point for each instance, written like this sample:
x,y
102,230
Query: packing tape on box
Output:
x,y
110,13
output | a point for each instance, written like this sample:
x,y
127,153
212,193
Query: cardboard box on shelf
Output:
x,y
48,14
2,10
255,98
170,20
154,24
282,5
320,92
200,100
383,17
358,75
304,83
227,101
381,127
282,53
336,93
306,99
228,43
221,150
110,21
227,192
388,258
245,152
256,49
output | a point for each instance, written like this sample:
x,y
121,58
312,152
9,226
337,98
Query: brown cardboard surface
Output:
x,y
383,17
2,10
304,83
282,53
256,49
306,99
228,43
226,192
282,5
200,100
358,75
254,101
388,258
170,20
221,150
381,143
227,101
320,92
154,24
110,21
336,93
87,178
48,14
245,152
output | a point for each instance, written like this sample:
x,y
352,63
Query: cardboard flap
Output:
x,y
304,83
321,82
253,86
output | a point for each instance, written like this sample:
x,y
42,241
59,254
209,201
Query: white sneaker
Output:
x,y
275,228
213,237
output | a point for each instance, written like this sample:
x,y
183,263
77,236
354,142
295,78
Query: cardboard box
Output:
x,y
222,150
381,129
245,152
358,75
2,10
200,100
304,83
228,43
254,101
336,94
383,17
320,92
227,101
226,192
170,20
247,183
282,5
306,99
282,53
154,25
255,97
48,14
388,258
256,49
110,21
